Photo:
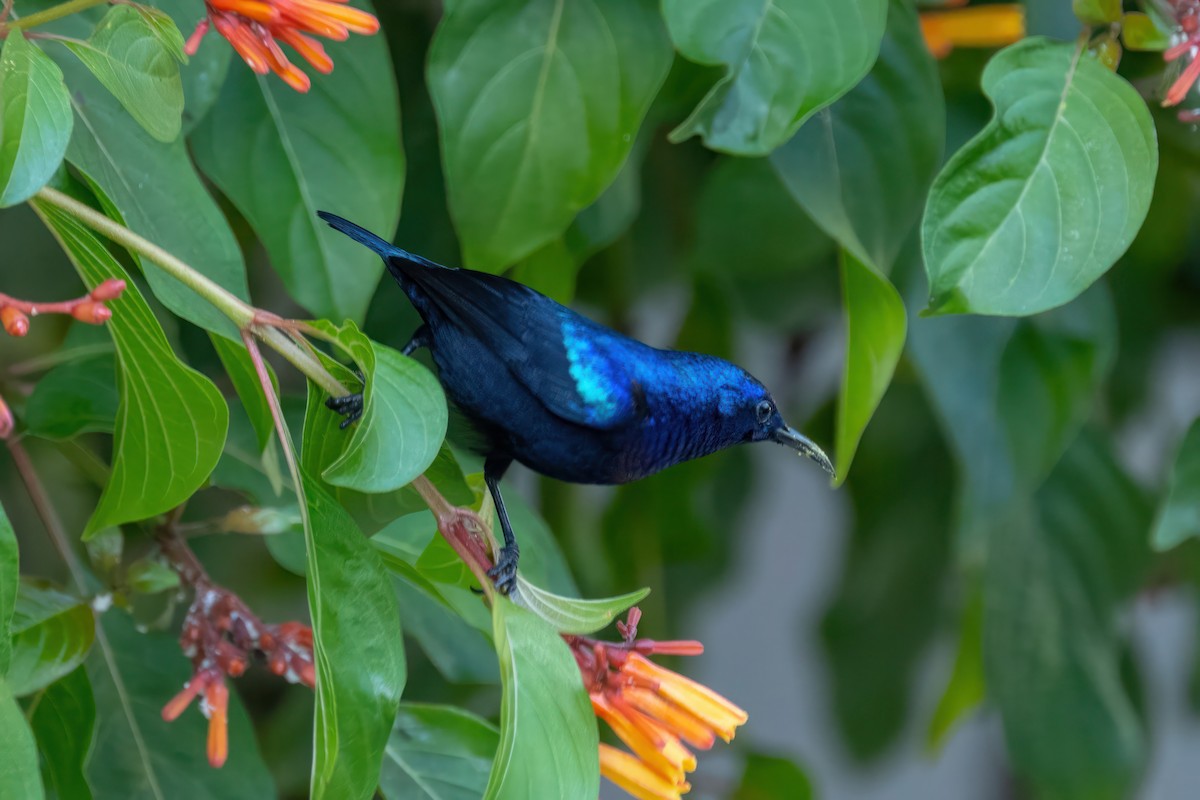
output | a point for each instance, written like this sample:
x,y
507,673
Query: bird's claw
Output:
x,y
350,406
504,574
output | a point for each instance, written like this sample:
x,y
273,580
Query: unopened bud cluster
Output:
x,y
91,308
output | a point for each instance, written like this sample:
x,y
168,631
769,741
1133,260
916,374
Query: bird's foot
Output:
x,y
504,574
350,406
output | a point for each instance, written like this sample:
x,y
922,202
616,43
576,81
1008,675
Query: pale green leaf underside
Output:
x,y
786,59
1043,202
570,614
134,62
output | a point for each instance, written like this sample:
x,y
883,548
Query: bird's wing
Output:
x,y
572,365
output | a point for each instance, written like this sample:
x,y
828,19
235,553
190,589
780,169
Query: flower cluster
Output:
x,y
1185,41
219,635
91,308
256,27
657,713
982,26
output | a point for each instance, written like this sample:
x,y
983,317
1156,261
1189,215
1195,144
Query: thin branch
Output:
x,y
49,15
45,511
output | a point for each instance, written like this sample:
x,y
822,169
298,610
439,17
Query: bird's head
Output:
x,y
757,414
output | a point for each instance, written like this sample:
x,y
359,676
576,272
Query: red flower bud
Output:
x,y
15,322
91,312
108,290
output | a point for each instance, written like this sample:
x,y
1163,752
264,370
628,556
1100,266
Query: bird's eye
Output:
x,y
764,411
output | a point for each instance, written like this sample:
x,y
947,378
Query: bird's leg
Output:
x,y
419,339
505,572
349,406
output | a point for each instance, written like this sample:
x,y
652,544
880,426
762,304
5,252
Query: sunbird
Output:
x,y
565,396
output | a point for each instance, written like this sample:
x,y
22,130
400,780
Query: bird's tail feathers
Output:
x,y
380,246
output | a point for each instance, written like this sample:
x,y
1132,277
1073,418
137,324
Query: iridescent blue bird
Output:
x,y
565,396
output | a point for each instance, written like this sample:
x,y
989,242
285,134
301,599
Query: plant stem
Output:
x,y
241,313
50,14
45,511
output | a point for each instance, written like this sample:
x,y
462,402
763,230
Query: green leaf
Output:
x,y
548,735
1039,205
1057,569
967,687
550,270
1179,515
171,422
164,29
149,576
73,398
771,777
876,325
128,55
403,421
358,647
862,168
1140,32
35,119
570,614
137,755
538,104
19,773
205,71
1000,401
63,720
240,370
336,148
9,582
152,188
1097,12
437,753
785,60
51,635
459,650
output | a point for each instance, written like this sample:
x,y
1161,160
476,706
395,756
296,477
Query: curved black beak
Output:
x,y
804,446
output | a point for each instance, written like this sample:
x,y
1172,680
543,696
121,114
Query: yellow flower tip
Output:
x,y
631,774
718,713
982,26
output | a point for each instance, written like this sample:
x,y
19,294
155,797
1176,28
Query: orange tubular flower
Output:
x,y
255,28
984,26
652,710
1185,41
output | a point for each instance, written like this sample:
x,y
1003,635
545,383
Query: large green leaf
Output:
x,y
875,328
19,773
1006,391
35,119
403,422
358,647
548,736
437,753
139,756
785,59
73,398
9,583
171,422
151,187
63,719
51,635
1040,204
281,156
862,167
1056,570
205,72
538,105
459,650
1179,515
134,59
